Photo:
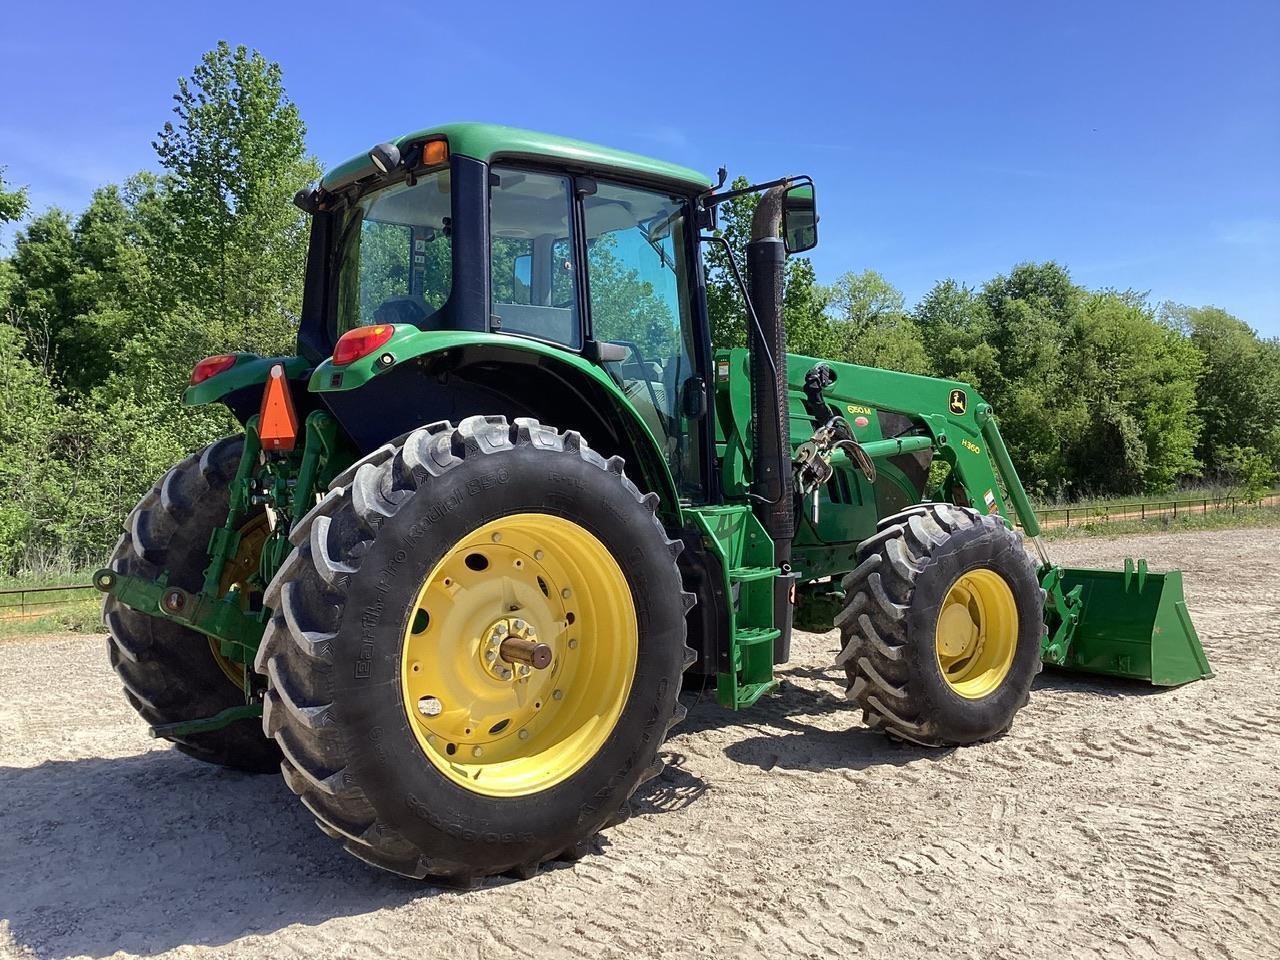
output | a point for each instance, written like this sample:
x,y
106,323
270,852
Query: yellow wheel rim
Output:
x,y
237,573
977,633
498,726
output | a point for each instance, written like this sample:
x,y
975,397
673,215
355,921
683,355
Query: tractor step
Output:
x,y
750,636
747,574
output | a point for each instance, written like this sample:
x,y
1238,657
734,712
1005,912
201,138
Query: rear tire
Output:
x,y
169,672
347,603
893,652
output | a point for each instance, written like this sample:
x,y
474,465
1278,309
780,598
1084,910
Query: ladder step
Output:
x,y
752,573
748,636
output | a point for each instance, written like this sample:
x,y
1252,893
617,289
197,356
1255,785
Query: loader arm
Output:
x,y
1130,623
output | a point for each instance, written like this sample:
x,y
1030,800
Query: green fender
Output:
x,y
408,343
248,370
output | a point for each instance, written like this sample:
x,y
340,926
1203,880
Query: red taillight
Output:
x,y
211,367
361,342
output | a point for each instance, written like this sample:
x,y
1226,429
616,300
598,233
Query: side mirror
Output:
x,y
800,217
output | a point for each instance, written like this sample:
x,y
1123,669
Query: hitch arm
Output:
x,y
239,632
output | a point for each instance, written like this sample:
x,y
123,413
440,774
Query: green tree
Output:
x,y
13,203
955,324
870,325
1133,382
1239,395
33,482
235,157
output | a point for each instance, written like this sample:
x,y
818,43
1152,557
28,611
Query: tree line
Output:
x,y
103,313
1098,392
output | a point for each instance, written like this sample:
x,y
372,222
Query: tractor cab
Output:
x,y
595,257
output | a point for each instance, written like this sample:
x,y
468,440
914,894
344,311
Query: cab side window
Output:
x,y
640,280
532,287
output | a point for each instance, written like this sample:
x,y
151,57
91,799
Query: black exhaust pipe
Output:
x,y
771,427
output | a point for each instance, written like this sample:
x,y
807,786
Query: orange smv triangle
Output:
x,y
277,421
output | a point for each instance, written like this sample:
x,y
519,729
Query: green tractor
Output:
x,y
506,497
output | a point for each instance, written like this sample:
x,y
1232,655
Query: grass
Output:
x,y
78,616
76,613
1184,523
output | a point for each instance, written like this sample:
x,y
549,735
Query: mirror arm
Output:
x,y
710,199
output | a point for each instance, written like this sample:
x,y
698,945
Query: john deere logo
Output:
x,y
958,402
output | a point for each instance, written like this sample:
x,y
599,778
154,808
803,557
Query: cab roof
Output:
x,y
486,141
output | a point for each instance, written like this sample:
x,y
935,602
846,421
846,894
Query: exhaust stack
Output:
x,y
771,429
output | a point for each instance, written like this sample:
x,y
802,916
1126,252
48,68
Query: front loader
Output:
x,y
450,576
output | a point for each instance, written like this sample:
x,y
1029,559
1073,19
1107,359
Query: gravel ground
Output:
x,y
1113,821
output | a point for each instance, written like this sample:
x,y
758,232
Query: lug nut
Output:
x,y
557,694
477,752
430,707
524,734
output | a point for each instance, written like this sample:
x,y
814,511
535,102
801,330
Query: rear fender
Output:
x,y
239,387
420,376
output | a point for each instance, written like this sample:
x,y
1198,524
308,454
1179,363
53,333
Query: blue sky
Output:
x,y
1136,143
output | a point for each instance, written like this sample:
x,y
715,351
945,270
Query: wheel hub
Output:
x,y
511,650
977,633
519,654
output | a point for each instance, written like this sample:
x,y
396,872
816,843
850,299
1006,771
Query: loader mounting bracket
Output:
x,y
1062,613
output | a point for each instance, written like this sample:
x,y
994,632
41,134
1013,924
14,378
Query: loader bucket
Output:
x,y
1134,623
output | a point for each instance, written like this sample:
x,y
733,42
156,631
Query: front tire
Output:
x,y
404,739
942,631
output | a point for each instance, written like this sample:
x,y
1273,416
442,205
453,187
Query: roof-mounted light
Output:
x,y
385,157
435,152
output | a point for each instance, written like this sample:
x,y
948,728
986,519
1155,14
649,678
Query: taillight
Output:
x,y
211,367
361,342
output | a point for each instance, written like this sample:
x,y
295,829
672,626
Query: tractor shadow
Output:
x,y
151,852
792,728
155,851
1058,680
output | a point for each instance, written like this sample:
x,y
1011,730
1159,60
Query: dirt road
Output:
x,y
1113,821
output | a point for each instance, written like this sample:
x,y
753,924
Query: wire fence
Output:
x,y
25,603
1051,517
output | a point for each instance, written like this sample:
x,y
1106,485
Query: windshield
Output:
x,y
395,258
